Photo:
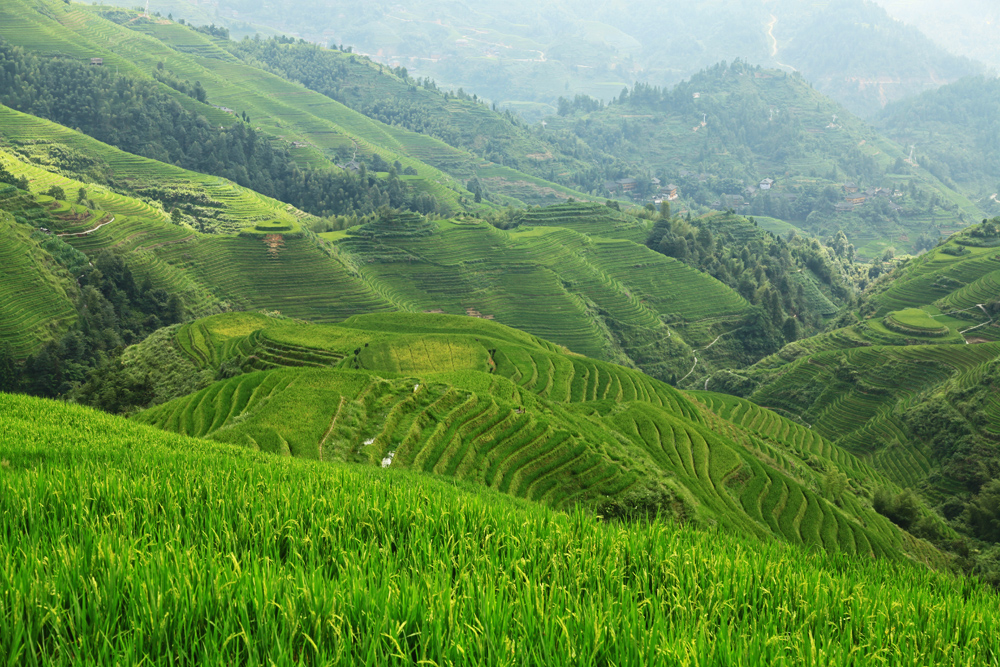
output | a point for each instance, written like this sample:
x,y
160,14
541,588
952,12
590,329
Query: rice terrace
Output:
x,y
435,337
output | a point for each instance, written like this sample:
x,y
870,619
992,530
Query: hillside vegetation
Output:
x,y
290,560
911,387
956,129
484,403
721,134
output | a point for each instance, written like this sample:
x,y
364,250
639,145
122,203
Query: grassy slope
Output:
x,y
289,560
363,83
442,394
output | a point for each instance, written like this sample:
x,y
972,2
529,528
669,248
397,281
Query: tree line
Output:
x,y
139,116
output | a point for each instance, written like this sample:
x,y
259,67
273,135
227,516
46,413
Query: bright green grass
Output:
x,y
125,545
916,321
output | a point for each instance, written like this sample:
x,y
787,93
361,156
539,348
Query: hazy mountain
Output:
x,y
526,54
967,28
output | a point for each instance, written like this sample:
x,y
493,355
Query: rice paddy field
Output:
x,y
548,281
482,403
139,546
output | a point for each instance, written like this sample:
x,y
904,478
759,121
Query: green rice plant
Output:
x,y
366,560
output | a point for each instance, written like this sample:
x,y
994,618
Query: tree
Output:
x,y
81,195
56,192
8,369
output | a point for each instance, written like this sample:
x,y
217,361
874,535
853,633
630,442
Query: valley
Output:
x,y
307,357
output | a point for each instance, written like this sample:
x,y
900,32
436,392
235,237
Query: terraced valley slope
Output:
x,y
321,132
598,293
607,298
480,402
912,386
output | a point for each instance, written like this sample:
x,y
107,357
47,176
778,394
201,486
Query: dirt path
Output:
x,y
333,423
89,231
774,43
690,371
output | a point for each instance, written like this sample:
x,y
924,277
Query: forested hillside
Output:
x,y
764,142
956,131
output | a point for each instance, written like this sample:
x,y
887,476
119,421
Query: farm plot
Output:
x,y
299,281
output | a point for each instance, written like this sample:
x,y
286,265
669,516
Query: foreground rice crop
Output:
x,y
121,544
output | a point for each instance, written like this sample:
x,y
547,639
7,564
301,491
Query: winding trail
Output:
x,y
690,371
333,423
774,43
89,231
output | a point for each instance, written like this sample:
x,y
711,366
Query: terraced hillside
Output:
x,y
909,388
36,294
612,299
475,400
600,297
223,206
320,131
589,219
374,554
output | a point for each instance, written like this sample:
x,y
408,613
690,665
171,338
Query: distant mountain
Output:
x,y
766,143
524,54
956,131
966,28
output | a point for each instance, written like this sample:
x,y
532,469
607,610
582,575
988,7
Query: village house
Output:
x,y
850,188
857,199
627,184
670,192
97,61
766,184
